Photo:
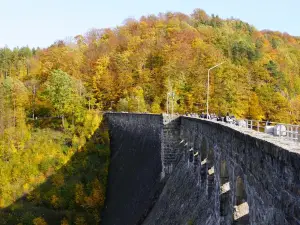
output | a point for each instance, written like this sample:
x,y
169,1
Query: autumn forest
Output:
x,y
51,101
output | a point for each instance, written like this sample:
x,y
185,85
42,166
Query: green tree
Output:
x,y
62,92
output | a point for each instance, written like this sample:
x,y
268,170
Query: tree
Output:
x,y
62,93
255,111
136,101
155,107
295,109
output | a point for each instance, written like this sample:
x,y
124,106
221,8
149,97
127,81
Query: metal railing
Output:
x,y
282,130
288,131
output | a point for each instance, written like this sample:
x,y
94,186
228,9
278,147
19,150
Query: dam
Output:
x,y
182,170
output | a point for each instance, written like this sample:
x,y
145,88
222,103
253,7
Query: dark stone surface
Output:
x,y
267,166
183,200
135,167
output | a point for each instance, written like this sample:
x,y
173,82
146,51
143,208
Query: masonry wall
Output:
x,y
170,144
268,169
200,172
135,167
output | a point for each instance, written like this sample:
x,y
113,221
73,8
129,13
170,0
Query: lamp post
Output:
x,y
207,93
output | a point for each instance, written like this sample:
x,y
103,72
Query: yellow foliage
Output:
x,y
39,221
136,102
55,201
38,158
79,194
2,203
155,107
26,187
64,222
295,106
80,221
32,179
255,110
91,124
96,198
102,64
198,43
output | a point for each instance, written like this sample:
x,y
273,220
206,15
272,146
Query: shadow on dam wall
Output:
x,y
135,167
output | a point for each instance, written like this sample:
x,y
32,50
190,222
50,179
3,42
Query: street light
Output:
x,y
207,94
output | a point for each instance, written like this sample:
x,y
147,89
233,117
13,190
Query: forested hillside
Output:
x,y
141,61
50,98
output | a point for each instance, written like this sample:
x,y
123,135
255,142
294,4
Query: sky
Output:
x,y
39,23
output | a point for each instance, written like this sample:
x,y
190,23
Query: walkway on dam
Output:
x,y
289,135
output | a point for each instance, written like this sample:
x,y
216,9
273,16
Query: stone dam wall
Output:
x,y
135,167
200,172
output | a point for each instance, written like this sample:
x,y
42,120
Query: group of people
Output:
x,y
228,118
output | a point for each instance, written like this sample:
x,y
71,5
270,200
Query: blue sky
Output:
x,y
41,22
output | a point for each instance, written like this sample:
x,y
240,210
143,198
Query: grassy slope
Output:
x,y
73,193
